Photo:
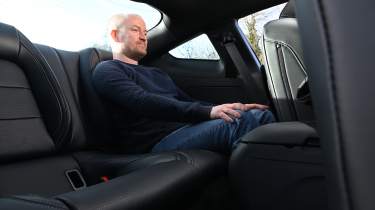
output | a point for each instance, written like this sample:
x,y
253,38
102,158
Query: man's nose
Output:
x,y
142,37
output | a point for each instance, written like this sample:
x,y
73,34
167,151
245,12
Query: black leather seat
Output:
x,y
44,150
280,165
97,117
285,68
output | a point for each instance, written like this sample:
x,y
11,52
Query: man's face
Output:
x,y
133,37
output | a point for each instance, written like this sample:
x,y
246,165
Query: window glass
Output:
x,y
252,27
70,24
197,48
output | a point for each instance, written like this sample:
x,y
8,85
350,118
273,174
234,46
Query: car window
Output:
x,y
197,48
252,27
70,24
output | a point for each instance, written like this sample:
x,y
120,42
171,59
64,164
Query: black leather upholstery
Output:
x,y
279,166
160,185
43,135
31,203
66,74
97,117
34,102
338,42
44,177
289,10
283,133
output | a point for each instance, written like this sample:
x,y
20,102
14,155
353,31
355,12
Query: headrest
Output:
x,y
9,42
289,10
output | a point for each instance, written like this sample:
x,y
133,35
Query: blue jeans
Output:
x,y
215,135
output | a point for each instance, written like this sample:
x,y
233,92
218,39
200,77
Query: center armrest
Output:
x,y
283,133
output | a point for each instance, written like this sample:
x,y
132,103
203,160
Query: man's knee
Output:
x,y
248,115
247,119
268,116
263,116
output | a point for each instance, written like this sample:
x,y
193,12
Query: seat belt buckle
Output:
x,y
76,179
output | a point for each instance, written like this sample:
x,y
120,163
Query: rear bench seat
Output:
x,y
46,154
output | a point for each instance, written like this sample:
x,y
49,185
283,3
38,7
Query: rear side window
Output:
x,y
70,24
198,48
252,27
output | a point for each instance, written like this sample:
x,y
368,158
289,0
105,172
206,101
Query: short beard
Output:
x,y
134,55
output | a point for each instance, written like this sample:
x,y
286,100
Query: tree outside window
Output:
x,y
252,27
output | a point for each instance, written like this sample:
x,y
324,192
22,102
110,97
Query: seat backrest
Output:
x,y
285,67
34,115
35,121
90,121
65,65
338,40
95,110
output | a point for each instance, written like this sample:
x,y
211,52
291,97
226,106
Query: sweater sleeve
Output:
x,y
115,85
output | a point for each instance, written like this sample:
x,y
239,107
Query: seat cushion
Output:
x,y
167,183
31,203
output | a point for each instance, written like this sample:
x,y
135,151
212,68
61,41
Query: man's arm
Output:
x,y
227,112
113,84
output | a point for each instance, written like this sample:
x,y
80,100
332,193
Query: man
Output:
x,y
151,113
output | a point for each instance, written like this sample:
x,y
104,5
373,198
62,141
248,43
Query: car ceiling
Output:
x,y
208,11
183,19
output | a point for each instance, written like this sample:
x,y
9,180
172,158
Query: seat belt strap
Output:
x,y
253,88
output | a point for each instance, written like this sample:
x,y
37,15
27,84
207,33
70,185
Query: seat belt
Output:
x,y
249,78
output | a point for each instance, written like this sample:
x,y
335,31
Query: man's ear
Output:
x,y
114,35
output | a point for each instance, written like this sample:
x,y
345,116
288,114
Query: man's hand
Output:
x,y
228,112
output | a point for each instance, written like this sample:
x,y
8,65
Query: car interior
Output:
x,y
57,150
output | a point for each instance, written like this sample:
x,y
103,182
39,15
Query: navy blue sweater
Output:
x,y
145,104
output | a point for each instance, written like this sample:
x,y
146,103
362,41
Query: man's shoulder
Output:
x,y
112,65
107,64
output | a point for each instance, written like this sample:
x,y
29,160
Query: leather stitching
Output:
x,y
60,132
